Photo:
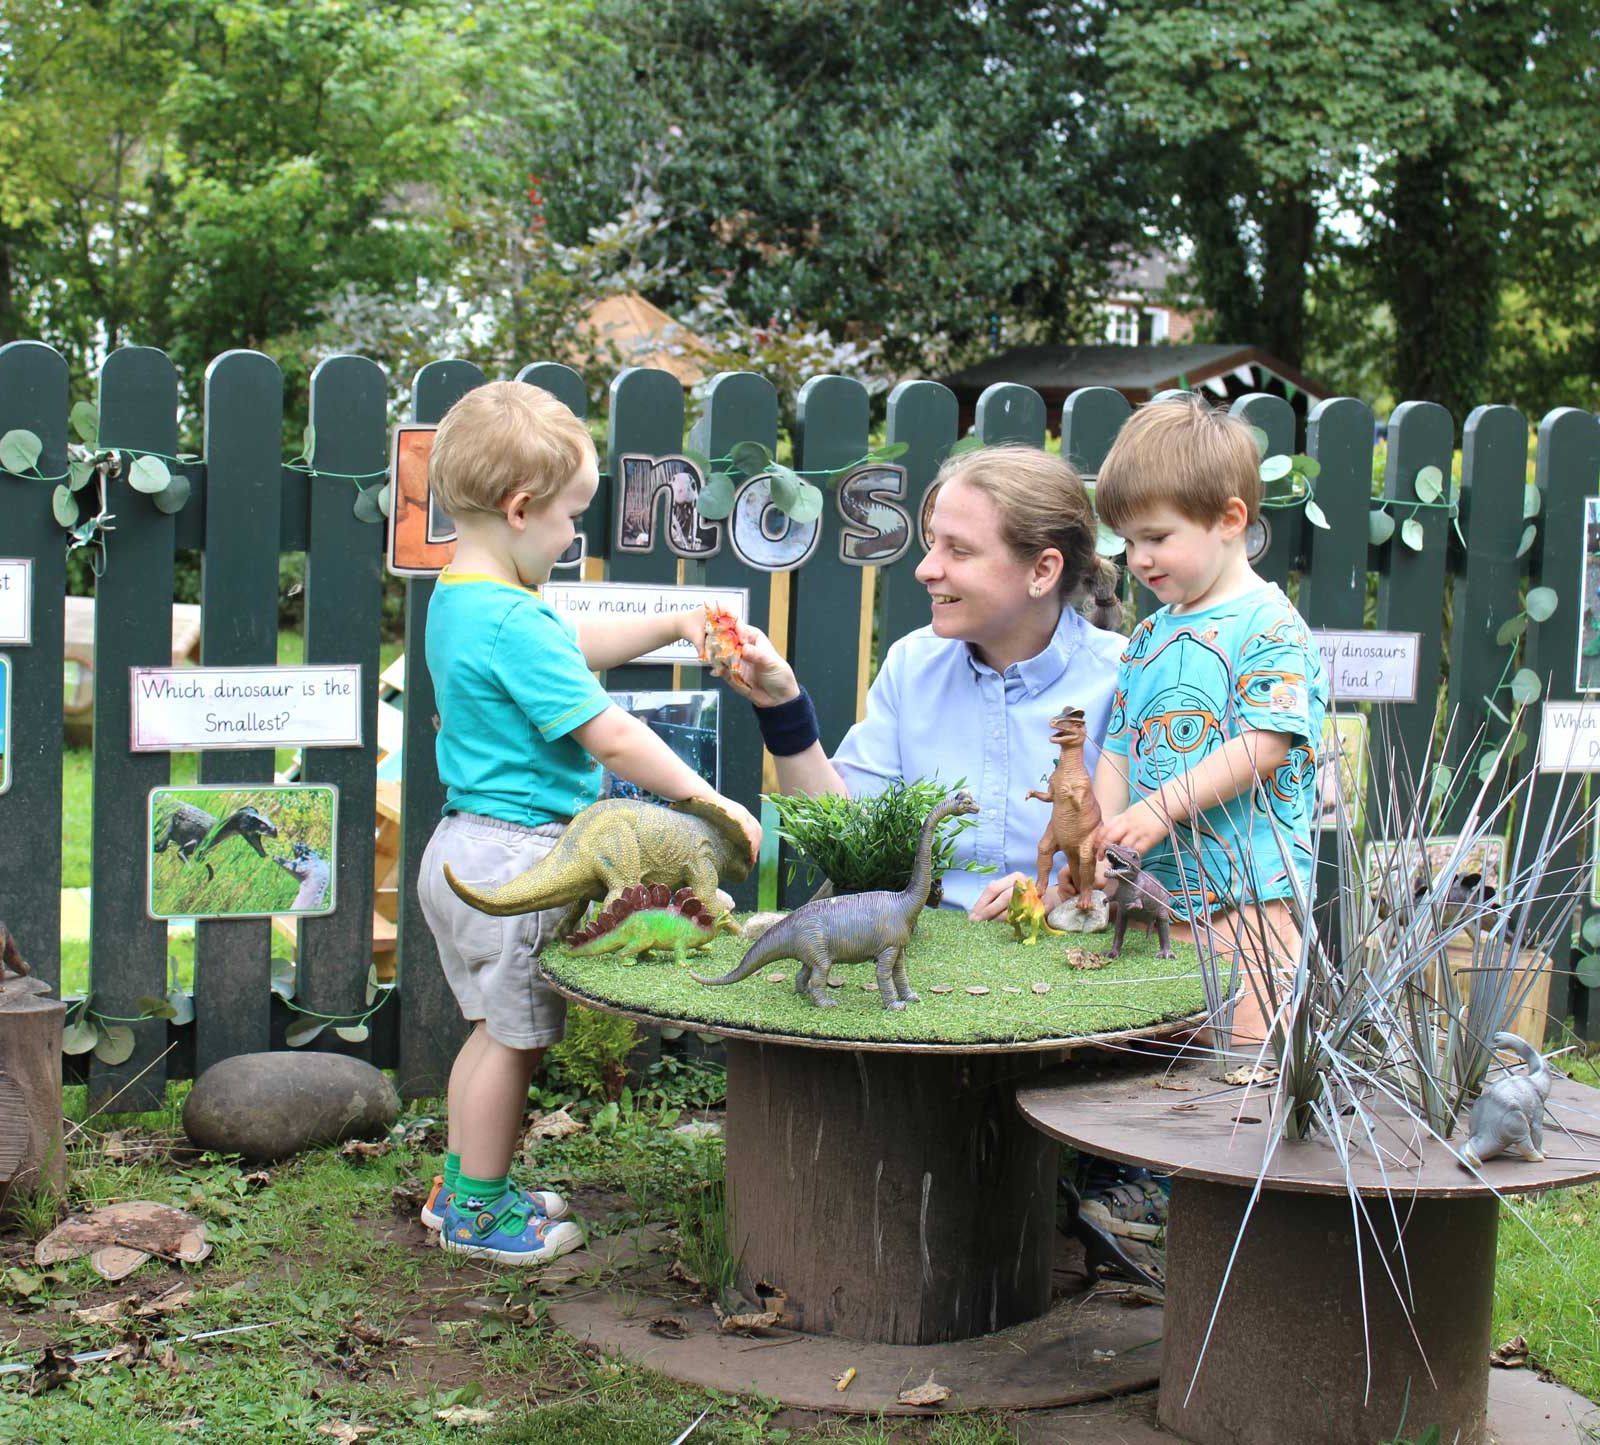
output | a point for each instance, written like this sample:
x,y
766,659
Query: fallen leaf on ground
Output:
x,y
677,1271
1512,1355
106,1313
464,1415
1178,1088
365,1149
344,1432
1041,988
176,1298
1085,959
409,1195
670,1327
555,1125
52,1369
941,988
926,1393
1250,1074
977,990
777,978
747,1324
256,1179
120,1237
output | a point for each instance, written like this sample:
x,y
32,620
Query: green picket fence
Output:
x,y
247,504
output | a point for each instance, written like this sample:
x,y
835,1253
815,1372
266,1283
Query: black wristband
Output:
x,y
790,727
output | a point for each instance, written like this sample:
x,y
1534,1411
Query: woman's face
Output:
x,y
979,588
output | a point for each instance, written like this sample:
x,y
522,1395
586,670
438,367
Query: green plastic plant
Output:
x,y
865,844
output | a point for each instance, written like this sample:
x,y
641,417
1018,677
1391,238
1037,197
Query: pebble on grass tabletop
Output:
x,y
948,952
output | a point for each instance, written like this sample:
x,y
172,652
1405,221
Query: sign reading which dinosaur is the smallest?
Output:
x,y
16,601
193,708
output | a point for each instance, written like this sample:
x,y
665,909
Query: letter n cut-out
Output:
x,y
646,478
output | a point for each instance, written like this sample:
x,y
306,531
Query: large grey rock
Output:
x,y
266,1106
1069,918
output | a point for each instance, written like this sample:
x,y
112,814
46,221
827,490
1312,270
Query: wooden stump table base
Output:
x,y
892,1197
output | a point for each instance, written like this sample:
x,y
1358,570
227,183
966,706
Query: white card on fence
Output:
x,y
1569,737
1369,666
184,709
579,600
16,601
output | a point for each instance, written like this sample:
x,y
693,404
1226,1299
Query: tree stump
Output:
x,y
32,1156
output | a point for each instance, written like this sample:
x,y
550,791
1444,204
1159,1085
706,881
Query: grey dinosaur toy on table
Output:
x,y
854,927
1509,1114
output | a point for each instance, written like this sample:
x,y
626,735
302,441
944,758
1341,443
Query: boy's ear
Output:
x,y
1235,518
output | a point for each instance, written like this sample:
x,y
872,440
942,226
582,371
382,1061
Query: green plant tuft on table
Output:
x,y
862,845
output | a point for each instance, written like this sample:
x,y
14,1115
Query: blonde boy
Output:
x,y
1220,693
523,731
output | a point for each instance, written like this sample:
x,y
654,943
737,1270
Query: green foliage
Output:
x,y
593,1057
862,844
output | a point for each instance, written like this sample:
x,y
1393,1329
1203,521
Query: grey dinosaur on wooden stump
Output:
x,y
854,927
32,1157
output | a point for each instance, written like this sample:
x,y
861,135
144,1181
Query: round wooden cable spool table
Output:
x,y
889,1188
1294,1353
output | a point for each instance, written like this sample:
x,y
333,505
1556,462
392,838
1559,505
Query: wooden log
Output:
x,y
892,1197
32,1155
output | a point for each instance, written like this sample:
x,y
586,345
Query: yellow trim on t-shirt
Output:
x,y
448,576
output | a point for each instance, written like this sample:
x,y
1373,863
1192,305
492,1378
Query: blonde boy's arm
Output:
x,y
614,641
636,755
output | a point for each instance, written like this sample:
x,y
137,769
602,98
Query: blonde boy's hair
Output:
x,y
1179,453
505,437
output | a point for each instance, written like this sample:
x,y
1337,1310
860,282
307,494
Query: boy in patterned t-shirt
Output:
x,y
1218,691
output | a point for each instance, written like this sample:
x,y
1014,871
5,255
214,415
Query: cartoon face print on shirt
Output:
x,y
1177,725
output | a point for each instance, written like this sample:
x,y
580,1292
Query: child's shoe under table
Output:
x,y
546,1201
514,1232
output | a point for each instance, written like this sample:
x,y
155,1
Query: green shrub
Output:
x,y
593,1058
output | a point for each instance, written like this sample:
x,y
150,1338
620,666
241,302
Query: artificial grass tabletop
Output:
x,y
948,949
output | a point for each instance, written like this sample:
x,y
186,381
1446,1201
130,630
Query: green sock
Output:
x,y
480,1193
452,1172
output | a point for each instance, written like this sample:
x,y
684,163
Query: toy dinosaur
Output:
x,y
10,955
650,919
616,843
724,646
1074,812
1130,887
1509,1114
1026,912
854,927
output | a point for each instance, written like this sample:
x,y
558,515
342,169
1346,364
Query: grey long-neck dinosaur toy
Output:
x,y
854,927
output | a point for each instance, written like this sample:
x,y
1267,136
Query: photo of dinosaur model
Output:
x,y
854,928
310,868
650,920
615,844
1074,813
1128,887
1026,912
1508,1116
195,832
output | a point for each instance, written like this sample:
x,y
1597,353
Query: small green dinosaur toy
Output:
x,y
1026,912
647,919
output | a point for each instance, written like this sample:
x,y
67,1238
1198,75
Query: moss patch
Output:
x,y
1134,991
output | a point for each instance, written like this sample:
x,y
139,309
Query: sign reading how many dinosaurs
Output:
x,y
192,708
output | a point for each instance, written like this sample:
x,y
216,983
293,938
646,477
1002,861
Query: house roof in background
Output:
x,y
645,335
1138,372
1144,275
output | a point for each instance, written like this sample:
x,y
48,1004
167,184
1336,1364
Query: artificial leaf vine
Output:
x,y
794,496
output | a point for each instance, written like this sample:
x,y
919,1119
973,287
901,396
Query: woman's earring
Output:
x,y
1035,590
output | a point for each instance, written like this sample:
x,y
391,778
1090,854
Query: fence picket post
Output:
x,y
33,396
1276,418
1333,587
431,1026
1566,465
1010,414
132,628
926,417
238,628
344,611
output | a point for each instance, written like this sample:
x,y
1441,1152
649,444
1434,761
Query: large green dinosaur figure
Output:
x,y
616,843
646,920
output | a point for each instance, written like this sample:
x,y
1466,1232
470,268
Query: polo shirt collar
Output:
x,y
1044,668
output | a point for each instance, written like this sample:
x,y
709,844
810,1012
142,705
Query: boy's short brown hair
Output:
x,y
505,437
1181,453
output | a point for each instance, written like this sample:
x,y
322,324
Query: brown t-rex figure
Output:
x,y
1074,812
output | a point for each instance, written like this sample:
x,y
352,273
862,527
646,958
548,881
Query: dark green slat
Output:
x,y
740,407
1411,599
1494,470
646,420
563,383
1090,420
431,1026
133,628
344,610
1276,418
1007,412
926,417
33,396
239,628
1566,463
1333,589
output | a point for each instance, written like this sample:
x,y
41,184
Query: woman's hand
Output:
x,y
761,674
992,902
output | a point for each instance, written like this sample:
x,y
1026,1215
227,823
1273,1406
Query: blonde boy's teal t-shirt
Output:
x,y
510,685
1187,684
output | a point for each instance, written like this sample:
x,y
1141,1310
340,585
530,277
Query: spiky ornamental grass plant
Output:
x,y
864,844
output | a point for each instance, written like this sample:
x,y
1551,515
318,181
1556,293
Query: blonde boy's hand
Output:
x,y
761,674
1140,827
692,629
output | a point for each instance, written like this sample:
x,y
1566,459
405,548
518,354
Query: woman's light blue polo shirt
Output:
x,y
936,711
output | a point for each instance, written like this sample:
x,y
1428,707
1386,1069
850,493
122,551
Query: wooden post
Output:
x,y
32,1156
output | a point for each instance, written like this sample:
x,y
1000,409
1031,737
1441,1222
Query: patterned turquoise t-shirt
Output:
x,y
1186,685
510,685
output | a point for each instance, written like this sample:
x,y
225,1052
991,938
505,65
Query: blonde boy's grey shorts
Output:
x,y
492,964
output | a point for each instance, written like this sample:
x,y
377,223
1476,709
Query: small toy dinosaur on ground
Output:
x,y
1074,812
1509,1114
1026,912
616,843
1129,887
650,919
854,927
